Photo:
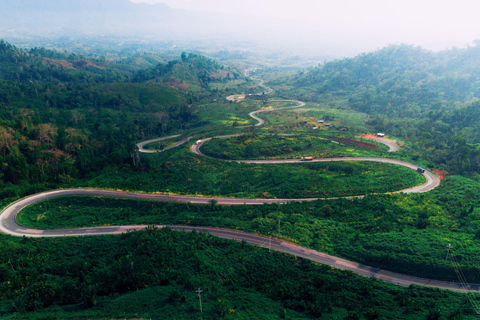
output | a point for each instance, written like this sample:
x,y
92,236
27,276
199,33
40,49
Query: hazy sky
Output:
x,y
433,24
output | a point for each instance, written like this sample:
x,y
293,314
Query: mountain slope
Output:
x,y
397,80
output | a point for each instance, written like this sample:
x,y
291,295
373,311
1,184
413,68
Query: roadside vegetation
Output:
x,y
403,233
179,171
155,274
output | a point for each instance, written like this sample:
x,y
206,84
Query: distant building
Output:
x,y
327,124
314,128
343,129
381,135
321,121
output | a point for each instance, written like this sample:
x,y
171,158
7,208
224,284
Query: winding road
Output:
x,y
9,224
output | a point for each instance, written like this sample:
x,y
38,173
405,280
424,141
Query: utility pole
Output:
x,y
200,298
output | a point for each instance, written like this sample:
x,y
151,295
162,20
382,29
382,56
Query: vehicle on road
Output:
x,y
306,159
421,170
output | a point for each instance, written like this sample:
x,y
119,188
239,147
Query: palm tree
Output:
x,y
212,202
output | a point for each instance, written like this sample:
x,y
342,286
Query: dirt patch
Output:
x,y
61,63
358,143
441,174
179,84
77,64
236,98
369,136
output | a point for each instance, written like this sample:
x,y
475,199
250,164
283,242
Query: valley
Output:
x,y
263,171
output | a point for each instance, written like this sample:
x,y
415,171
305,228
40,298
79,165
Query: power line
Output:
x,y
463,280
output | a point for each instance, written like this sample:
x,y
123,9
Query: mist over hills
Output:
x,y
94,17
26,20
109,17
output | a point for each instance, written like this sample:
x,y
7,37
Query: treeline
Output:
x,y
56,134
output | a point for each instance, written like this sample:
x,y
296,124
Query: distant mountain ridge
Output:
x,y
102,17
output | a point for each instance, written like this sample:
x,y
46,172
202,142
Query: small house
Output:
x,y
343,129
380,135
321,121
327,124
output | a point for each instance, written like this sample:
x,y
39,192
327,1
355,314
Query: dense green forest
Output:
x,y
399,81
154,274
63,116
71,121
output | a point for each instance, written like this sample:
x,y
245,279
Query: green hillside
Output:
x,y
398,80
427,100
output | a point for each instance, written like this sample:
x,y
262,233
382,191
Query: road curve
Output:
x,y
9,225
261,121
432,180
141,145
393,147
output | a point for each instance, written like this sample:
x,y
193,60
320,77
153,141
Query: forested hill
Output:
x,y
63,116
398,80
39,65
192,71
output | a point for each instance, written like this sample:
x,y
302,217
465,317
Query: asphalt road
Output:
x,y
143,143
9,225
432,180
261,121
